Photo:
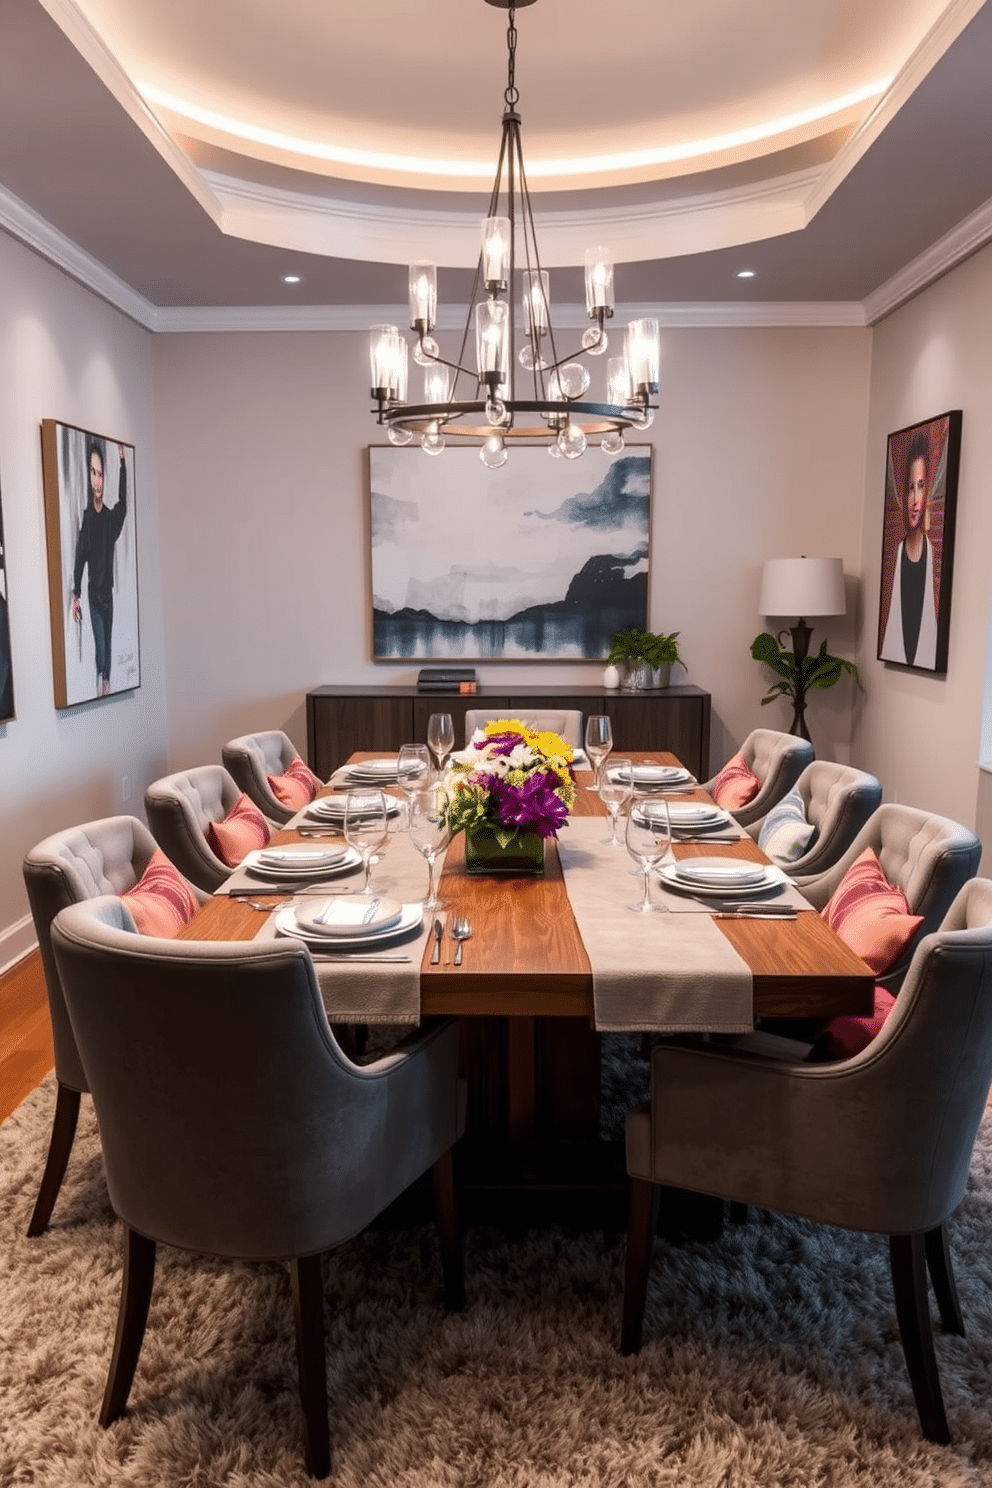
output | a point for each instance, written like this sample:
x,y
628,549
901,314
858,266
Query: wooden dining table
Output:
x,y
524,993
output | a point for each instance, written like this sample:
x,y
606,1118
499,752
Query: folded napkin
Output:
x,y
377,991
662,973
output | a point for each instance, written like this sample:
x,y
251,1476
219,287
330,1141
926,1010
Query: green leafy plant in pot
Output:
x,y
799,674
646,658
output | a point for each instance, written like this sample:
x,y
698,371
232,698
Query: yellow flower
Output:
x,y
552,746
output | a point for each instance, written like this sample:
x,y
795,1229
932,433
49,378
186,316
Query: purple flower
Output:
x,y
503,743
533,806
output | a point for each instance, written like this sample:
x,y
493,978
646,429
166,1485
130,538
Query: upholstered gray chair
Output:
x,y
879,1142
99,857
233,1124
839,800
179,808
777,760
567,722
251,759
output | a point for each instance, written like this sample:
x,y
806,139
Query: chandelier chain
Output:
x,y
512,95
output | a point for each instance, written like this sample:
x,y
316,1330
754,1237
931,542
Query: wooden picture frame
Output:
x,y
540,560
6,658
92,563
921,489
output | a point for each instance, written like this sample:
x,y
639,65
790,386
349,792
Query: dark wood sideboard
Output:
x,y
343,719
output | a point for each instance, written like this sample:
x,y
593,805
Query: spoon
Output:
x,y
460,930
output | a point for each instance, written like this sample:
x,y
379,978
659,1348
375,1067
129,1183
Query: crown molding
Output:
x,y
953,248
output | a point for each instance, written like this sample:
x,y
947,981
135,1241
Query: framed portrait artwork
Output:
x,y
921,486
91,529
6,661
542,559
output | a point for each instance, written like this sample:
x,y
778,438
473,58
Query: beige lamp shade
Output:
x,y
802,586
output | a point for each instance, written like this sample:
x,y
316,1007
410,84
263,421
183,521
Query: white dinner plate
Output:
x,y
298,856
342,919
694,814
727,886
333,808
381,771
411,918
337,861
654,774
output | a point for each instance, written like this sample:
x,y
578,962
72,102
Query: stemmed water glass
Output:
x,y
615,789
413,769
599,742
366,827
649,836
429,834
441,737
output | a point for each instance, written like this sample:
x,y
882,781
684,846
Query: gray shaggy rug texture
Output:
x,y
771,1356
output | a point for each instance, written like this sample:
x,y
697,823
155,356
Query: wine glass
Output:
x,y
615,790
649,836
413,769
441,736
429,834
599,742
366,826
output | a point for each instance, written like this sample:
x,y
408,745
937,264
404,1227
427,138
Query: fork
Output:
x,y
461,930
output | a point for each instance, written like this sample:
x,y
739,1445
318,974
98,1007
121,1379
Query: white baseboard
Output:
x,y
16,942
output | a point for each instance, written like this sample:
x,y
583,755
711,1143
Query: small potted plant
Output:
x,y
646,658
799,675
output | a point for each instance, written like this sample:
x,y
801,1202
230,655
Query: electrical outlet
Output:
x,y
125,788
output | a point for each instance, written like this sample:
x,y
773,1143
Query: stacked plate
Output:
x,y
300,862
339,925
655,777
720,877
332,808
691,818
373,772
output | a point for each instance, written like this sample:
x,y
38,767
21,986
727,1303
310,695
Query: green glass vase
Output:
x,y
484,854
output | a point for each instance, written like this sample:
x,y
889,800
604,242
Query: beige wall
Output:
x,y
918,733
64,354
758,450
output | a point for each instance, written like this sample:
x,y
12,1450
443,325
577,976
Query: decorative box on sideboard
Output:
x,y
343,719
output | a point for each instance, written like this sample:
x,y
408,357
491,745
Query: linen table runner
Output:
x,y
375,991
659,973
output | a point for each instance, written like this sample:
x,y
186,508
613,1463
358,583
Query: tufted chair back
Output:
x,y
777,760
179,807
839,800
251,759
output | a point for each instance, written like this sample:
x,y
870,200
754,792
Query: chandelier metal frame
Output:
x,y
555,411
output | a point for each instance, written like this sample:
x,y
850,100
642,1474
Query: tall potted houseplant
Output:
x,y
645,658
797,676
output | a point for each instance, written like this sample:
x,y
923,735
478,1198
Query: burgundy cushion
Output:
x,y
735,785
161,902
297,786
243,828
871,915
845,1037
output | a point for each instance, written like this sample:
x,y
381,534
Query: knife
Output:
x,y
436,952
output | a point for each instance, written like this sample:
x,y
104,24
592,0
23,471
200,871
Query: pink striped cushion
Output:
x,y
297,786
871,915
161,902
243,828
845,1037
735,785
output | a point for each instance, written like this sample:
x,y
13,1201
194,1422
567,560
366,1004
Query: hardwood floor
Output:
x,y
26,1053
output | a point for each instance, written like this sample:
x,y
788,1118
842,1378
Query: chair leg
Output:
x,y
452,1258
738,1212
136,1294
306,1276
907,1255
642,1220
942,1275
59,1148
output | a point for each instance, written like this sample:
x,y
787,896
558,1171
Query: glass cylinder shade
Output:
x,y
599,280
492,341
536,301
617,381
643,355
388,359
437,384
497,237
423,296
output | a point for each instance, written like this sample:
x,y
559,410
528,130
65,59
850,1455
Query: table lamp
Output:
x,y
801,586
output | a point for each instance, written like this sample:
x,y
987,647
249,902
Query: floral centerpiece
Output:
x,y
509,790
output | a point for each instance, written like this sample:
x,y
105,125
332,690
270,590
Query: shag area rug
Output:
x,y
771,1356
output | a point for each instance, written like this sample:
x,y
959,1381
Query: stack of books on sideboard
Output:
x,y
447,679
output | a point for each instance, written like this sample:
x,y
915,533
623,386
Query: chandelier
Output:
x,y
529,395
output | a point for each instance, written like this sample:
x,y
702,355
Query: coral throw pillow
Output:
x,y
845,1037
243,828
297,786
161,902
871,915
785,833
735,785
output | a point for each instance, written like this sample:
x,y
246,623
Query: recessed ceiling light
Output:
x,y
291,278
745,274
